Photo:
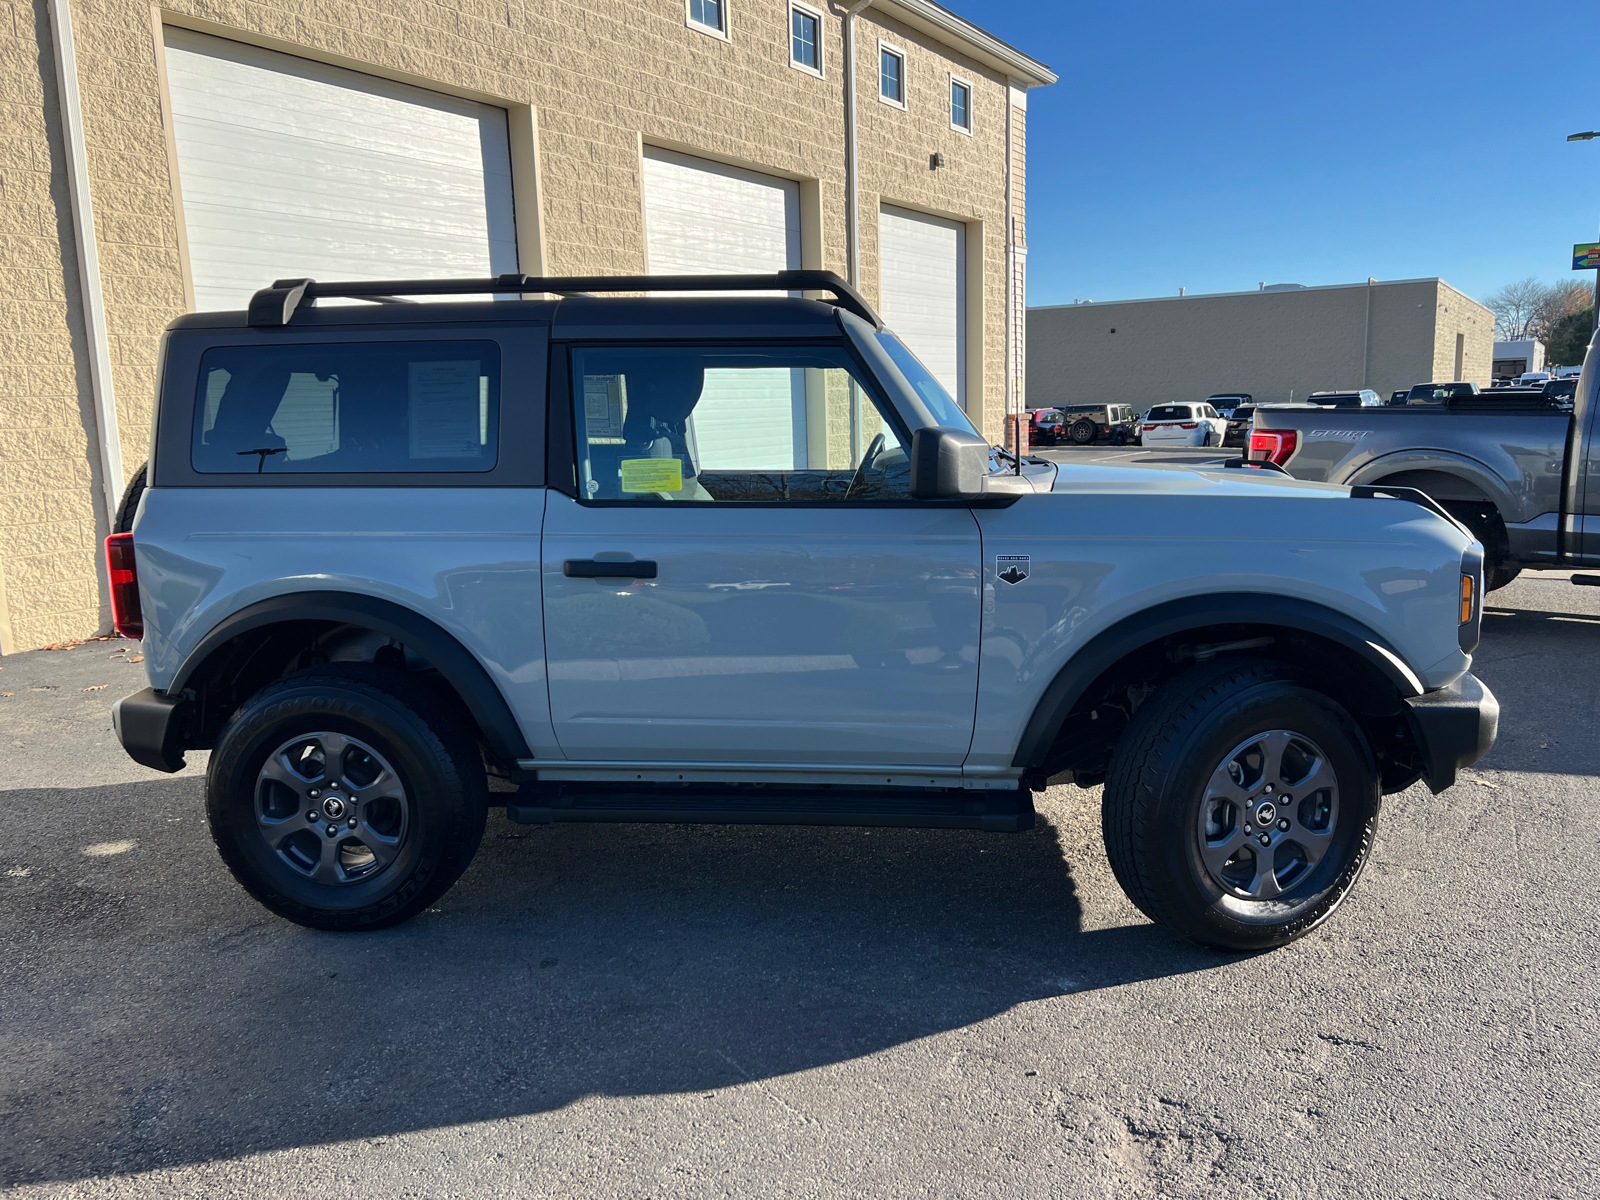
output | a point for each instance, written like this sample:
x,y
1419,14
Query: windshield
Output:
x,y
945,410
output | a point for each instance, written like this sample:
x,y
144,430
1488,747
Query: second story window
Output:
x,y
892,76
805,38
961,105
710,15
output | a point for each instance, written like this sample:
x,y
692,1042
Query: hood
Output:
x,y
1169,480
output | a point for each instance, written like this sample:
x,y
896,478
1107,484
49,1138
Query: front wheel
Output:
x,y
1240,806
346,798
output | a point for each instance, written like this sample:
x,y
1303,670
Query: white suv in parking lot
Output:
x,y
1183,425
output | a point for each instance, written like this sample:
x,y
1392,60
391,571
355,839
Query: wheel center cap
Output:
x,y
333,808
1266,813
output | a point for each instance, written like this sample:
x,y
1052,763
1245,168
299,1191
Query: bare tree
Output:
x,y
1559,300
1516,307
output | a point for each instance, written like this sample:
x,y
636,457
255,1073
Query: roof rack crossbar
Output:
x,y
276,305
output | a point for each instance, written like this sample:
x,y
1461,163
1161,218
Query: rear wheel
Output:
x,y
346,798
1082,432
1240,806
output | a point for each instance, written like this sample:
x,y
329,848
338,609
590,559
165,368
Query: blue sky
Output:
x,y
1214,147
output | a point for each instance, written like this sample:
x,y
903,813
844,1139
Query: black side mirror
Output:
x,y
948,464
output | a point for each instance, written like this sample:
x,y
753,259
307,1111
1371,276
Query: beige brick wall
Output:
x,y
1276,346
602,78
49,588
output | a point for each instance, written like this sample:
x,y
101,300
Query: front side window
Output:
x,y
348,407
805,41
960,105
892,76
732,424
708,14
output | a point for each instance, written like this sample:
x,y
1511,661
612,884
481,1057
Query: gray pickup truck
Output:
x,y
1513,469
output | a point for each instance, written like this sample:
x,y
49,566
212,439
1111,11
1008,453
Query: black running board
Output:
x,y
989,811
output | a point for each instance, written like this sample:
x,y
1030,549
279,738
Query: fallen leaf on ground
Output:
x,y
99,687
137,658
1484,783
4,694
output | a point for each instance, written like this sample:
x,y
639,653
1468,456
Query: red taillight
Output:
x,y
123,573
1273,445
1149,428
1190,425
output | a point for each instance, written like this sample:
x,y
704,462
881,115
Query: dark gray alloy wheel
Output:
x,y
331,808
346,798
1240,806
1082,432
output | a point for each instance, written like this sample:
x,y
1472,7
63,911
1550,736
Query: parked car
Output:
x,y
1362,398
1563,391
1182,425
1534,378
1438,393
1400,397
1238,431
1508,463
386,551
1226,402
1044,426
1084,424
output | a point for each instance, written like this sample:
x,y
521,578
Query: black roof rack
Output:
x,y
275,305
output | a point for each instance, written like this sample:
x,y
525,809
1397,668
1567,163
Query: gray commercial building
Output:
x,y
1279,343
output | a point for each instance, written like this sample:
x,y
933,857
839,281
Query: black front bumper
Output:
x,y
1454,727
152,728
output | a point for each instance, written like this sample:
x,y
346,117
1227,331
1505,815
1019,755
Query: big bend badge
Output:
x,y
1013,568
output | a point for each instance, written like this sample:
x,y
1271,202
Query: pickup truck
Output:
x,y
1513,468
713,558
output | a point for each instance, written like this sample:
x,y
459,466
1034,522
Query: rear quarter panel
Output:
x,y
466,558
1098,557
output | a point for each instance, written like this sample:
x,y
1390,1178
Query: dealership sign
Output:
x,y
1586,257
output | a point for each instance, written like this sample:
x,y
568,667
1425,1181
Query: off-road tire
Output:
x,y
1082,432
131,495
434,757
1150,808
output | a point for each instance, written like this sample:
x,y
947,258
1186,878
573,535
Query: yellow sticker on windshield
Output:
x,y
652,475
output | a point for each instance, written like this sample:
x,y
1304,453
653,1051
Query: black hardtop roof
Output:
x,y
289,301
669,317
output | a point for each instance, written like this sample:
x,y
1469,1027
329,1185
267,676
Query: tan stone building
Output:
x,y
171,157
1277,344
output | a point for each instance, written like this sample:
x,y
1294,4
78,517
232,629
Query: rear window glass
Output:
x,y
348,408
1170,412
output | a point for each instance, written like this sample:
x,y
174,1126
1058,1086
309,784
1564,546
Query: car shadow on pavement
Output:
x,y
1536,662
153,1015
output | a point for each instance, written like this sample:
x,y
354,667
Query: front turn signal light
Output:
x,y
1466,599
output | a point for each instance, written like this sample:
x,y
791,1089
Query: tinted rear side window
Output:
x,y
1170,412
348,408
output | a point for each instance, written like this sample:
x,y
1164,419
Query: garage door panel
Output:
x,y
290,168
706,218
922,291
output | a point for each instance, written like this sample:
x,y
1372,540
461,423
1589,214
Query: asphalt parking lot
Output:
x,y
664,1011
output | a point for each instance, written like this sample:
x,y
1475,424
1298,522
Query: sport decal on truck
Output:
x,y
1013,568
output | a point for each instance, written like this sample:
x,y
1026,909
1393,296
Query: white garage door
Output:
x,y
923,293
705,218
293,168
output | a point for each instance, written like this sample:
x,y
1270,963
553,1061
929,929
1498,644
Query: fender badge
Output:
x,y
1013,568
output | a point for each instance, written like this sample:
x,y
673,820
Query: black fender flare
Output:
x,y
454,661
1134,632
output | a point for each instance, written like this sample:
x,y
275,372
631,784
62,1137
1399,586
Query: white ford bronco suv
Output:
x,y
715,557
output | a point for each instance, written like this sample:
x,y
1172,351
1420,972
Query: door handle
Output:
x,y
590,568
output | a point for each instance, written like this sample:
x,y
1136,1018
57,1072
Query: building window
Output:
x,y
805,38
960,105
709,15
891,76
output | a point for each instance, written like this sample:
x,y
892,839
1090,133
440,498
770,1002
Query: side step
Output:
x,y
1586,580
709,804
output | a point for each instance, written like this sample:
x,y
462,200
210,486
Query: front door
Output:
x,y
744,577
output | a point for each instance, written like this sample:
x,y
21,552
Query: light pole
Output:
x,y
1589,136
